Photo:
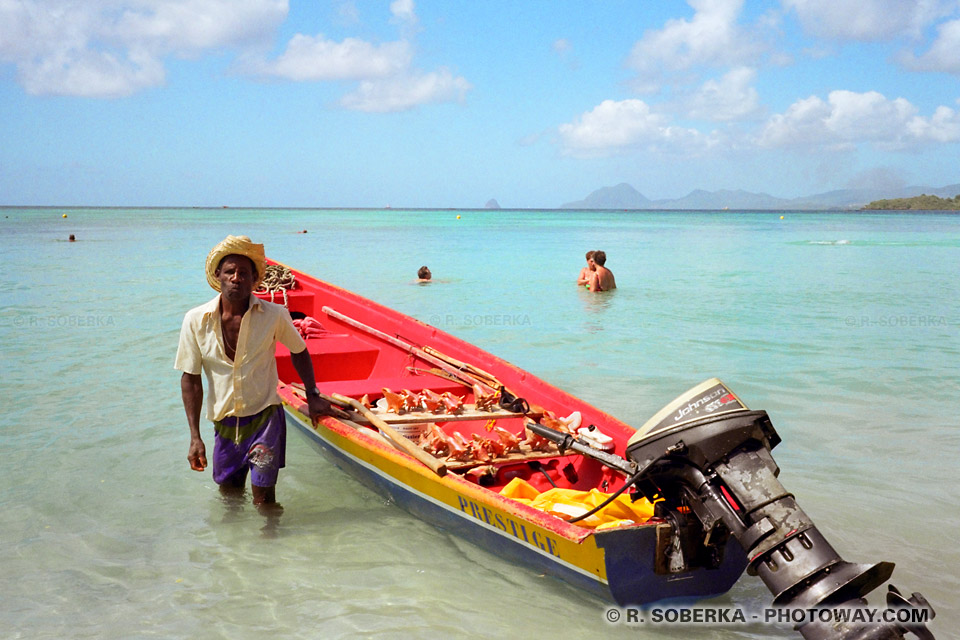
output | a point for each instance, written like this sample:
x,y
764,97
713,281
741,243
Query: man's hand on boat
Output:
x,y
320,408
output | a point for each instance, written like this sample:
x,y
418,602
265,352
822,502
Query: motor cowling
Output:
x,y
707,452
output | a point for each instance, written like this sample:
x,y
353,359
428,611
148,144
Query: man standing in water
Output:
x,y
602,279
232,339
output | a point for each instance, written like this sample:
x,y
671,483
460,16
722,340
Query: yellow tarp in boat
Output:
x,y
570,503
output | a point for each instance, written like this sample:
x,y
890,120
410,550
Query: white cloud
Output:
x,y
406,91
844,121
802,123
943,54
880,20
403,10
405,15
867,20
110,48
942,126
711,38
192,26
386,80
730,98
316,59
849,119
88,73
113,48
614,127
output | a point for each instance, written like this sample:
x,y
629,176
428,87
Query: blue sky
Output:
x,y
422,103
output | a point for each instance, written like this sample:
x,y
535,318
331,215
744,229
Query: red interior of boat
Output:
x,y
351,362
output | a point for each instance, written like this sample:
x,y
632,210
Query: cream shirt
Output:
x,y
247,385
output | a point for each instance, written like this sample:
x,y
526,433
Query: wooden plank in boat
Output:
x,y
414,417
469,413
417,417
522,455
516,456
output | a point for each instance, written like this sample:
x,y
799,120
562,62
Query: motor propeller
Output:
x,y
896,601
708,452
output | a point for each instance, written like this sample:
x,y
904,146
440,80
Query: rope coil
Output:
x,y
277,278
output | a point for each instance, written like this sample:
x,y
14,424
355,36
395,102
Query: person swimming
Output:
x,y
423,274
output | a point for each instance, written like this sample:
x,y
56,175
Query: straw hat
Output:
x,y
236,245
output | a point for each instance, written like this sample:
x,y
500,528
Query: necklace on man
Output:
x,y
231,349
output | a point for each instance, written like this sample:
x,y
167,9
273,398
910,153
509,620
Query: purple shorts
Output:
x,y
256,442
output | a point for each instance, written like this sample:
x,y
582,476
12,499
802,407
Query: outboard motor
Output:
x,y
707,455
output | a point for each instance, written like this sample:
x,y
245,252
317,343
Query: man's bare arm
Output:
x,y
191,391
304,365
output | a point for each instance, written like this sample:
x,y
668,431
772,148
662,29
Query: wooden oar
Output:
x,y
403,443
440,373
465,366
354,419
409,348
488,378
488,382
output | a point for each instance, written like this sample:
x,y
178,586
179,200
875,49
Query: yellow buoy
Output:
x,y
781,217
458,217
64,215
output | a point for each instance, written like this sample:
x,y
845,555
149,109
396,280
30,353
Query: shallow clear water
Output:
x,y
844,327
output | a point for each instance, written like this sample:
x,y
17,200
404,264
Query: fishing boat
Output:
x,y
679,508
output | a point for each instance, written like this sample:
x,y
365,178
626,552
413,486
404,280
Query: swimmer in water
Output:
x,y
602,279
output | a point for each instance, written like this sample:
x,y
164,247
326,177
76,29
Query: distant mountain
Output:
x,y
624,196
492,204
739,199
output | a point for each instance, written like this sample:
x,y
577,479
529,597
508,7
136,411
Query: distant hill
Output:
x,y
492,204
624,196
739,199
919,203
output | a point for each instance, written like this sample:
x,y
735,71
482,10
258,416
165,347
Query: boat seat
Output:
x,y
334,356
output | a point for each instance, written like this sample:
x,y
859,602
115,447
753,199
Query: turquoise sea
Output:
x,y
843,326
